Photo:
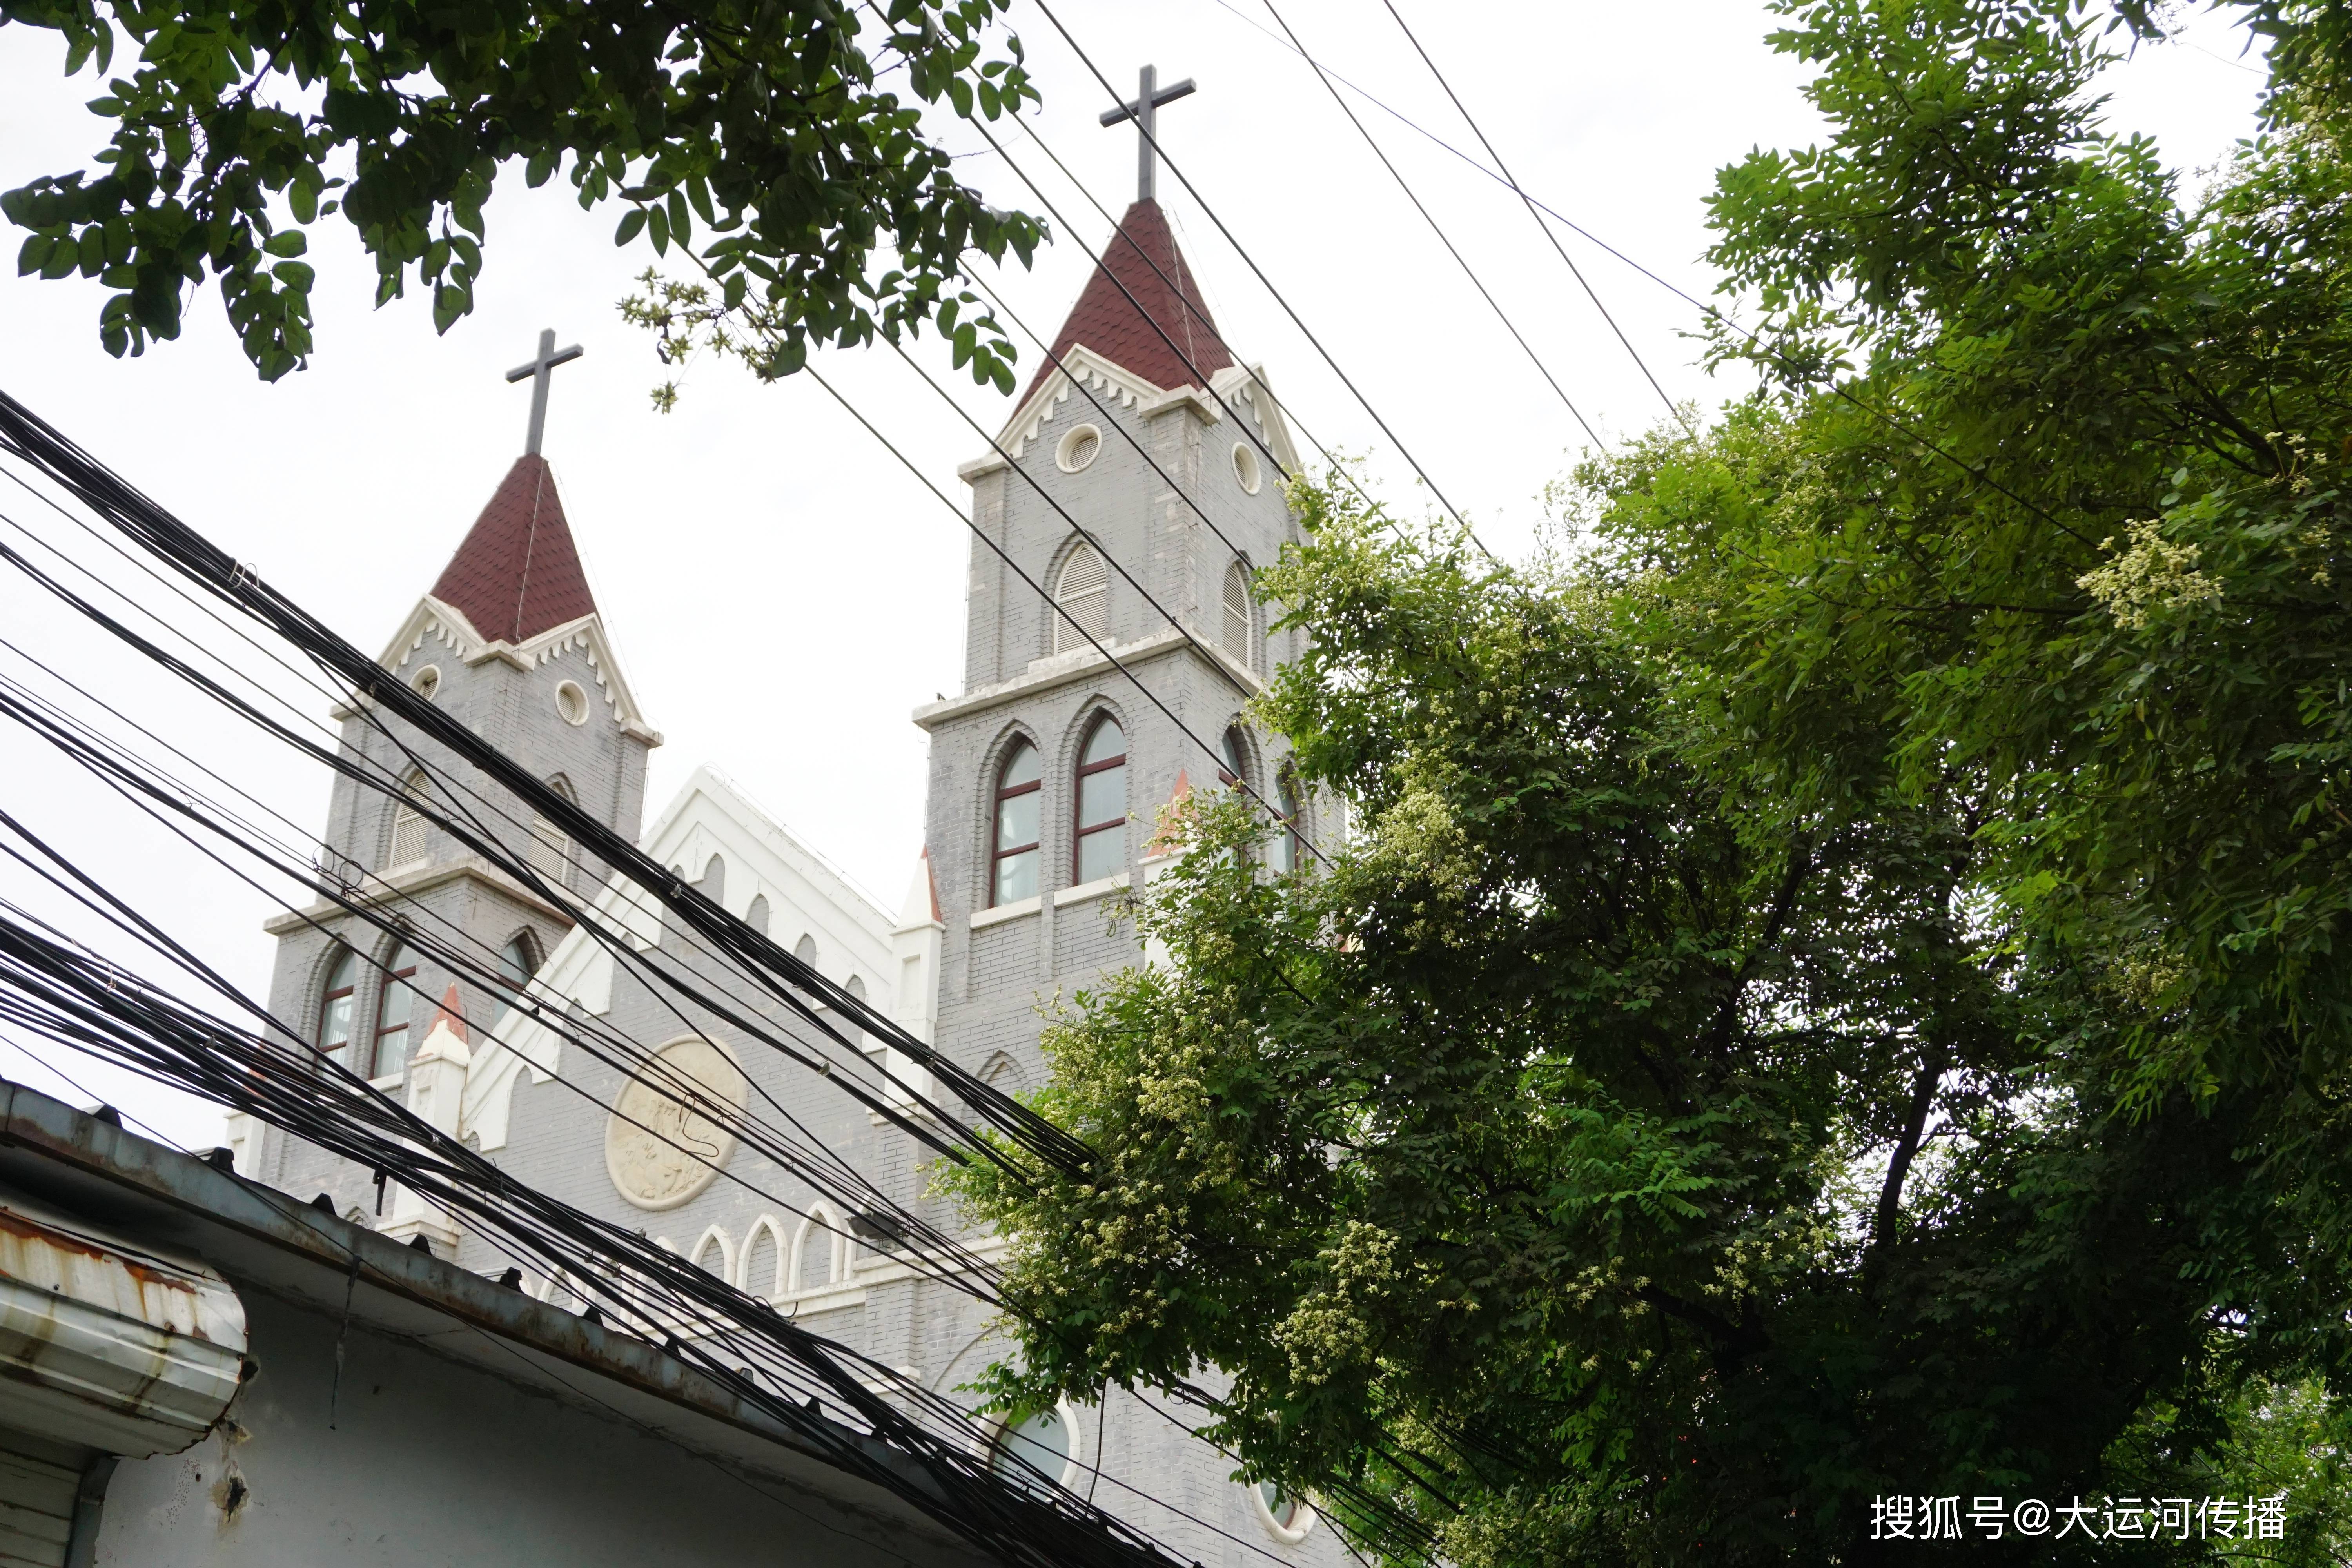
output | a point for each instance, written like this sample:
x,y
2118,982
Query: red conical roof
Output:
x,y
1107,322
517,573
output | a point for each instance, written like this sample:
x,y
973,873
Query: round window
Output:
x,y
1035,1449
426,681
571,703
1289,1517
1245,467
1077,448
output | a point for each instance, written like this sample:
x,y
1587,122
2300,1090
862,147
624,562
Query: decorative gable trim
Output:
x,y
1246,387
447,625
1118,386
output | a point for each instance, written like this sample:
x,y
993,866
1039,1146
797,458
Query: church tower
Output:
x,y
1139,484
509,640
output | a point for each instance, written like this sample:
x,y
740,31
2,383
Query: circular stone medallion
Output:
x,y
659,1147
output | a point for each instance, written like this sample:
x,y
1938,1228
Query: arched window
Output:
x,y
1083,594
763,1259
819,1250
1230,770
710,1254
858,1035
549,850
395,1004
1285,852
756,917
1012,857
517,960
408,822
335,1009
1236,631
1101,848
805,949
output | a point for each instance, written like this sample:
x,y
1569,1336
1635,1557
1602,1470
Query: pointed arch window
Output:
x,y
336,1008
396,1005
549,850
1101,815
1013,853
1287,848
1083,594
820,1253
1231,767
409,822
517,960
1236,634
763,1259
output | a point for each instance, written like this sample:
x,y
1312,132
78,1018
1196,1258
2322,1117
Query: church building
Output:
x,y
1080,721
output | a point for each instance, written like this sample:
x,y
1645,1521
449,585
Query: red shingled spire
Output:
x,y
1105,321
517,573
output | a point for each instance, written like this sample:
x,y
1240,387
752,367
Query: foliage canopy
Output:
x,y
771,124
1838,990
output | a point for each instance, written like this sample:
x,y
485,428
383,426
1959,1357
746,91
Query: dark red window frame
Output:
x,y
393,977
998,851
1078,790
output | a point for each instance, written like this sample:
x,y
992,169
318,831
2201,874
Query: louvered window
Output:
x,y
408,823
549,852
1083,594
1236,637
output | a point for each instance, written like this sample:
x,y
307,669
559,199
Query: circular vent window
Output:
x,y
1245,467
571,703
426,681
1077,448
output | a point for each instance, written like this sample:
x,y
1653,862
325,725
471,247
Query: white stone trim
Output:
x,y
432,617
1080,664
1094,890
1288,1534
997,914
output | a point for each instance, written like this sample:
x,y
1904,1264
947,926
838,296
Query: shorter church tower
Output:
x,y
509,641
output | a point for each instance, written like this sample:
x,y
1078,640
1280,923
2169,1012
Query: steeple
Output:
x,y
518,574
1171,341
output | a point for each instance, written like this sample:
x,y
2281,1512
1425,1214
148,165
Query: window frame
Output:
x,y
391,977
1071,631
1237,577
349,991
998,853
1080,830
406,808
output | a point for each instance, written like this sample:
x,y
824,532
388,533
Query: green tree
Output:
x,y
773,125
1836,992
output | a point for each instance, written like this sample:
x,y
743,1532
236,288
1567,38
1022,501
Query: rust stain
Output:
x,y
17,1224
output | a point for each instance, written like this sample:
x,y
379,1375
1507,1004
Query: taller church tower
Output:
x,y
1048,771
509,640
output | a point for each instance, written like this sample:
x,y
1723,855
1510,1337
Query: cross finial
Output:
x,y
541,370
1149,96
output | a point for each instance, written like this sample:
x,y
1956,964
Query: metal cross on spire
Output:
x,y
541,371
1149,95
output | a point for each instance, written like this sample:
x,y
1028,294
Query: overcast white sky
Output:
x,y
782,591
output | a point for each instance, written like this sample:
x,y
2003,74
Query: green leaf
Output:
x,y
631,221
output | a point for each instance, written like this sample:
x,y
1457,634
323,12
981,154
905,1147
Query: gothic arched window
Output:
x,y
549,850
1230,768
396,1005
517,960
1287,848
1236,631
1083,594
336,1008
820,1251
1101,848
1013,851
408,822
763,1259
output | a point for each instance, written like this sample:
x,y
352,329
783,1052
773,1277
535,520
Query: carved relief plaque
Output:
x,y
665,1140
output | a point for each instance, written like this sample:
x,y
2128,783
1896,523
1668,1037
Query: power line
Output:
x,y
1574,270
1259,272
1447,241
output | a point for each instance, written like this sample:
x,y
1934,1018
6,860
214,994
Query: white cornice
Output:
x,y
1247,383
1080,663
1113,384
448,624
